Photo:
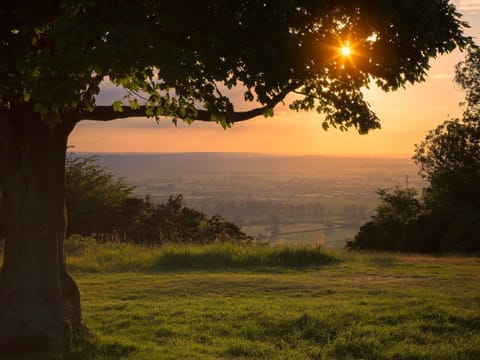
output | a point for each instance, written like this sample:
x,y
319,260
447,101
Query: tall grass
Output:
x,y
126,257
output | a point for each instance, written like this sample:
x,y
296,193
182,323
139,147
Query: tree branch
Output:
x,y
106,112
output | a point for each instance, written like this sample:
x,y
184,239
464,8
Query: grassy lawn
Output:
x,y
365,306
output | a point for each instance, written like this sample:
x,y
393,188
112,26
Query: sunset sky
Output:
x,y
406,116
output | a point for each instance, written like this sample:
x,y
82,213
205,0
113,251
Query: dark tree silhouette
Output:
x,y
448,217
387,229
449,159
178,56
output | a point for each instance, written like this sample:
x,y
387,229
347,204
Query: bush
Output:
x,y
392,223
76,245
174,222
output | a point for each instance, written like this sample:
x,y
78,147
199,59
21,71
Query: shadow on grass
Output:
x,y
248,258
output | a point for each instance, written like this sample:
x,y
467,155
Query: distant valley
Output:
x,y
314,199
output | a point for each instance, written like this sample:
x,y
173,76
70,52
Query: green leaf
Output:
x,y
133,104
268,112
117,106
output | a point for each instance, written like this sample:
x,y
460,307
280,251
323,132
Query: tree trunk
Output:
x,y
37,296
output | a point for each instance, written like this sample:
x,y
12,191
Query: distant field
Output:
x,y
368,306
306,233
259,191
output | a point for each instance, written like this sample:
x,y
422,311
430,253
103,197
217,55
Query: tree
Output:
x,y
449,159
448,218
387,231
95,198
177,60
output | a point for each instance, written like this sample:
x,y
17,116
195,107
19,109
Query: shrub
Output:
x,y
76,245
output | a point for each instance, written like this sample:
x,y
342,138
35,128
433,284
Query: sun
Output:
x,y
346,50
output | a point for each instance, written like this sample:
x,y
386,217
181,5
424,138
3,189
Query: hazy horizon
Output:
x,y
379,156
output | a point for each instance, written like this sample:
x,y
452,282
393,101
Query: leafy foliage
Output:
x,y
174,222
467,75
94,196
449,159
387,231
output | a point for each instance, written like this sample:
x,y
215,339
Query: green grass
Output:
x,y
216,257
234,302
367,306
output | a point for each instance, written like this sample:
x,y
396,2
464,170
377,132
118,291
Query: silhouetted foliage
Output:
x,y
174,222
449,159
467,75
389,228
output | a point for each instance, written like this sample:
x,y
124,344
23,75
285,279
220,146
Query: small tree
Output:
x,y
387,231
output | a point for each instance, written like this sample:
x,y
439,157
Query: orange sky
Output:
x,y
406,116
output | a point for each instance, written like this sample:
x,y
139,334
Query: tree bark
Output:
x,y
37,296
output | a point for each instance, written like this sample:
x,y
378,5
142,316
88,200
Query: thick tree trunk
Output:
x,y
37,296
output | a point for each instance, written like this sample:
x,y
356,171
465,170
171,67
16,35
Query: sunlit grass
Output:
x,y
368,306
224,256
227,301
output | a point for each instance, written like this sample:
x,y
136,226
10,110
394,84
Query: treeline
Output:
x,y
102,205
255,212
446,217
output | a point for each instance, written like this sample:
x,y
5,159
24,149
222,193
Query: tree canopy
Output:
x,y
177,58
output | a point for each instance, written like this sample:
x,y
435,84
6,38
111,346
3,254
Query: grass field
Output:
x,y
365,306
